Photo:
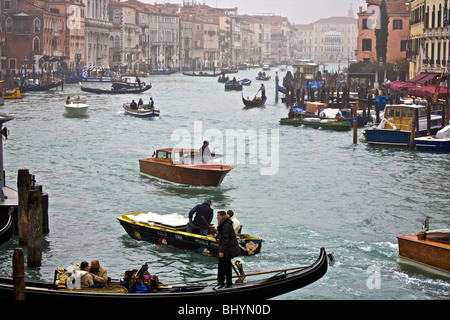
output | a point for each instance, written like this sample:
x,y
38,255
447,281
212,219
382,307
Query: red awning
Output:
x,y
422,78
428,91
401,85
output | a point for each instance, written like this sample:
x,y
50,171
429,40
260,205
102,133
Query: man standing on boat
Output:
x,y
228,249
205,152
201,211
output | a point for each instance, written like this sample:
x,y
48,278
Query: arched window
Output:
x,y
116,16
37,25
36,44
9,25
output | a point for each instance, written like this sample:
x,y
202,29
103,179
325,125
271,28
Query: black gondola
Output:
x,y
281,283
201,74
255,102
40,87
6,225
223,79
162,72
120,91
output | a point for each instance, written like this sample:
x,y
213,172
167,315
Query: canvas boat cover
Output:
x,y
443,133
173,220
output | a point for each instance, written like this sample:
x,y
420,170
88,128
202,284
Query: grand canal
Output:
x,y
306,190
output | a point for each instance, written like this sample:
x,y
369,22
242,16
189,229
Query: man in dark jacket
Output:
x,y
200,211
228,249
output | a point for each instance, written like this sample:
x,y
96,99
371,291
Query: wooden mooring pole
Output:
x,y
18,274
23,186
355,122
34,257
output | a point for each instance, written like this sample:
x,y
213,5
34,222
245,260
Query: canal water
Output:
x,y
299,189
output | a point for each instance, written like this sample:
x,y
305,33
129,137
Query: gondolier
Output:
x,y
228,249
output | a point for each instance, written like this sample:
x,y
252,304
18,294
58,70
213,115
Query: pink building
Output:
x,y
398,28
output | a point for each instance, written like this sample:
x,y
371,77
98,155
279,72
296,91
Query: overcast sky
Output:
x,y
297,11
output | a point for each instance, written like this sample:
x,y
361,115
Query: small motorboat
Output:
x,y
439,142
185,166
233,85
318,123
246,81
170,229
76,107
223,79
263,76
143,111
428,248
12,94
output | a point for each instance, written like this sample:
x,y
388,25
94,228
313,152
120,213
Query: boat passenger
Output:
x,y
228,249
99,273
133,105
236,224
127,277
201,211
151,104
68,100
86,279
140,102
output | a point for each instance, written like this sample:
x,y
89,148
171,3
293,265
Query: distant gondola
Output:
x,y
111,91
258,102
41,87
162,72
201,74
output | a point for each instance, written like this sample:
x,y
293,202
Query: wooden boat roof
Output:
x,y
178,150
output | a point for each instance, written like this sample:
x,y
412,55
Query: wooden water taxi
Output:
x,y
283,281
428,248
395,126
185,166
171,230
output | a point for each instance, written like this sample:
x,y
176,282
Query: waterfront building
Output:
x,y
398,12
34,35
97,32
74,46
302,47
335,39
436,36
416,54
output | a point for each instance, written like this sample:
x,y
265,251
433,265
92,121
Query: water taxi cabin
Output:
x,y
177,155
309,70
401,117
